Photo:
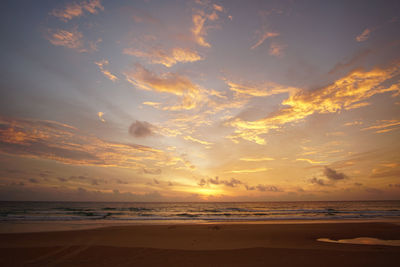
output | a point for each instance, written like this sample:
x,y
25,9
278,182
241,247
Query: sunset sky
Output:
x,y
200,100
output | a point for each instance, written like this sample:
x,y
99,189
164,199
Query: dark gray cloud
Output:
x,y
33,180
216,181
333,175
141,129
263,188
317,181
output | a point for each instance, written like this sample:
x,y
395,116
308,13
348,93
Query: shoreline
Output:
x,y
51,226
202,244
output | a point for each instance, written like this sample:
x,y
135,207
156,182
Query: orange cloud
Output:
x,y
64,143
364,35
257,159
311,161
249,170
264,36
106,73
345,93
199,19
70,39
384,126
265,89
171,83
73,10
166,58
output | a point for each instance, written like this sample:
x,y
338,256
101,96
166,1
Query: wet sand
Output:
x,y
203,245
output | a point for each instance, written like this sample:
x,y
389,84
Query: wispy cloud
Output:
x,y
249,170
311,161
166,58
257,159
72,10
199,19
171,83
364,35
106,73
264,36
64,143
264,89
71,39
345,93
190,138
384,126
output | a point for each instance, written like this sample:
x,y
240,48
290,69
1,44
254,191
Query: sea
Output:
x,y
199,212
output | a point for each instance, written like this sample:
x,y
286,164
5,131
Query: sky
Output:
x,y
199,100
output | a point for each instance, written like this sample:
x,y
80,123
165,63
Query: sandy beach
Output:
x,y
203,245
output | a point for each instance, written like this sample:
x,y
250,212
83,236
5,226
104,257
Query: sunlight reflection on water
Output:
x,y
363,241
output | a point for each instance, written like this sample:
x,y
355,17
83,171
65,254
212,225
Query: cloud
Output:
x,y
333,175
64,143
345,93
276,49
263,188
364,35
317,181
166,58
152,171
360,55
189,138
257,159
141,129
216,181
100,115
311,161
199,19
384,126
264,36
73,10
33,180
249,170
383,173
106,73
70,39
261,90
171,83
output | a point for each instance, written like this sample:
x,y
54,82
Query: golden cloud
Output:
x,y
345,93
64,143
190,138
257,159
249,170
199,19
106,73
384,126
265,89
171,83
166,58
311,161
73,10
